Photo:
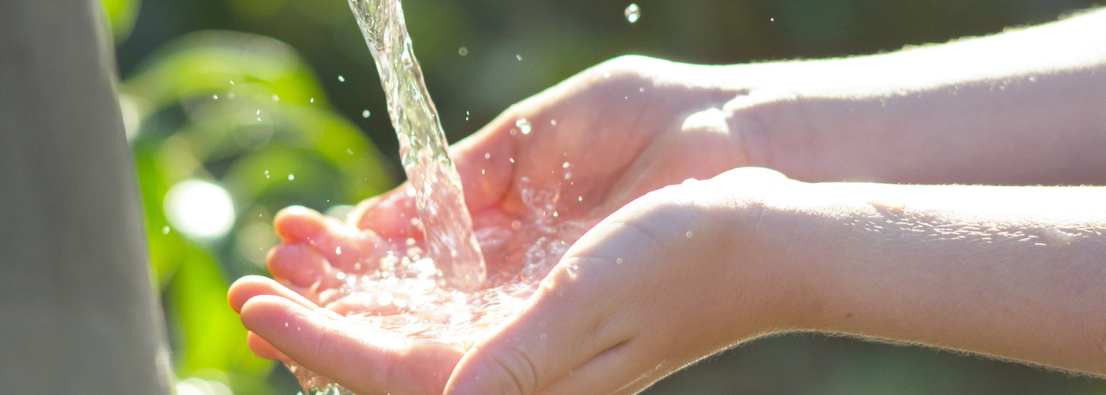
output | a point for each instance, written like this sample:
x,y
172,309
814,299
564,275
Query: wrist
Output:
x,y
765,247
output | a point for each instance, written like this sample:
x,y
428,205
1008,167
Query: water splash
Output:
x,y
410,303
446,221
633,13
523,125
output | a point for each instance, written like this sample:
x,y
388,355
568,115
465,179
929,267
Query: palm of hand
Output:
x,y
596,142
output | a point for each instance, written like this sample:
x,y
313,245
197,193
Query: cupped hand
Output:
x,y
670,278
577,152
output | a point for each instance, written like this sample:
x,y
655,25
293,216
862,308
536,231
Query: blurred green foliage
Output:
x,y
288,113
122,14
245,112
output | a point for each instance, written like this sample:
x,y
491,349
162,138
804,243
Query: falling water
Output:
x,y
448,226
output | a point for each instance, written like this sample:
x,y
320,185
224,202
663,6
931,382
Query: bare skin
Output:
x,y
709,264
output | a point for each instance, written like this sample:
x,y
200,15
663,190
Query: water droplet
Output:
x,y
462,51
488,155
276,98
573,270
523,125
642,89
215,97
410,191
338,250
258,111
341,79
565,165
165,230
291,177
1055,237
553,122
771,19
516,225
365,114
410,242
568,175
579,198
466,115
519,57
512,160
619,261
266,174
483,172
340,276
312,99
633,13
285,324
232,82
689,234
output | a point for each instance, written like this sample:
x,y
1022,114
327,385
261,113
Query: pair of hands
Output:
x,y
649,289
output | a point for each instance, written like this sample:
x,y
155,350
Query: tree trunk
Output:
x,y
78,313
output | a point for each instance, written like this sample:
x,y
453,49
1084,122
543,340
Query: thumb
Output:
x,y
566,335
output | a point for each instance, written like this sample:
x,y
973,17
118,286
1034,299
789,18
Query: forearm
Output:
x,y
1023,107
1010,272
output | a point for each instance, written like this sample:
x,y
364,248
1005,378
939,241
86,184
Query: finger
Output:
x,y
390,215
298,224
250,287
263,349
483,161
362,360
550,338
343,246
299,264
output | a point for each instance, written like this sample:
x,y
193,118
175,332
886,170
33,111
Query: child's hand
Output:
x,y
672,277
596,142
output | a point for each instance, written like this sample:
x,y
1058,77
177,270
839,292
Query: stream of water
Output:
x,y
445,219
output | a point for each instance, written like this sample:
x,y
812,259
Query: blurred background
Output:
x,y
237,108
